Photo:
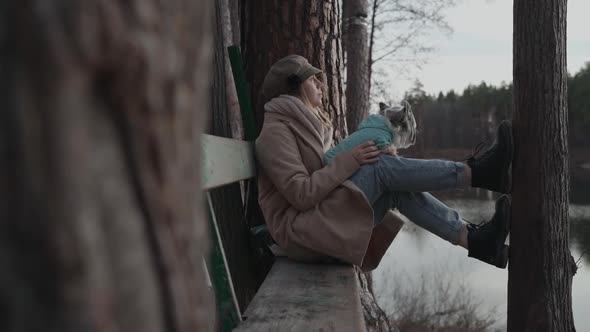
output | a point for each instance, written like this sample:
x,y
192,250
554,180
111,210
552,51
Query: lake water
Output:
x,y
417,260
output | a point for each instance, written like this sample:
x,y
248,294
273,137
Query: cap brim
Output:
x,y
309,72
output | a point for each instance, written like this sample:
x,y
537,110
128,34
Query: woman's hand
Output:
x,y
390,150
366,153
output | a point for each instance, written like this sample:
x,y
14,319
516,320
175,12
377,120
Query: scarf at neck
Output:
x,y
295,109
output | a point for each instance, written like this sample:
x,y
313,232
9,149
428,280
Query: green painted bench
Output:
x,y
294,296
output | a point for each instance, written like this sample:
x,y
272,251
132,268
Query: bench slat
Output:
x,y
306,297
226,161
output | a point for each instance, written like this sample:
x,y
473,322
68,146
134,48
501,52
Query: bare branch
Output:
x,y
396,34
395,45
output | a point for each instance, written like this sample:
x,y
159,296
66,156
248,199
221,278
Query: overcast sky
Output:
x,y
480,49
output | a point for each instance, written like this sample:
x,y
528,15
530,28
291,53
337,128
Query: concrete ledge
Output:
x,y
306,297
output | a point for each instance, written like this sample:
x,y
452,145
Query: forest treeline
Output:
x,y
460,120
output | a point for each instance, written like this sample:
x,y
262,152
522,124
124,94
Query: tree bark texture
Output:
x,y
101,226
247,269
234,10
310,28
541,266
357,62
375,318
372,26
344,31
233,103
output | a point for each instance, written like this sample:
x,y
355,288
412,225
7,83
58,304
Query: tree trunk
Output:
x,y
375,318
372,27
100,223
357,62
306,27
233,103
234,10
246,270
541,266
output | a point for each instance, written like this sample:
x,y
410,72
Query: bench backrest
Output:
x,y
226,161
294,296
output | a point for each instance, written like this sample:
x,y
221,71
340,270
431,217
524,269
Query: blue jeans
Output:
x,y
402,183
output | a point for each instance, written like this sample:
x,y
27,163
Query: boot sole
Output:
x,y
502,257
506,178
502,250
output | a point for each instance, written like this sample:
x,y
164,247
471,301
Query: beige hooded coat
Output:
x,y
312,210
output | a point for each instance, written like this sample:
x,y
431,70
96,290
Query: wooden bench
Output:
x,y
294,296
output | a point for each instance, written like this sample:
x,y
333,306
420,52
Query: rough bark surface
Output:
x,y
100,223
541,266
233,103
310,28
375,318
357,62
247,271
234,9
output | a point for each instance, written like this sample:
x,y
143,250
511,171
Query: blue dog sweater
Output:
x,y
373,128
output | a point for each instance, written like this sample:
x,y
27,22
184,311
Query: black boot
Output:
x,y
486,242
492,169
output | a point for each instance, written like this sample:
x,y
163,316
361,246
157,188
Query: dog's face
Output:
x,y
402,122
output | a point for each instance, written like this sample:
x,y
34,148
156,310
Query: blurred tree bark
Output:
x,y
541,266
310,28
101,225
356,52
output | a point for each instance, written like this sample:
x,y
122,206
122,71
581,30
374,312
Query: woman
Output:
x,y
318,212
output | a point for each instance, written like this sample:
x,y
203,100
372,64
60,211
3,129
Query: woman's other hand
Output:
x,y
390,150
366,153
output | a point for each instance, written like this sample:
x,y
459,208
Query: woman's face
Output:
x,y
312,88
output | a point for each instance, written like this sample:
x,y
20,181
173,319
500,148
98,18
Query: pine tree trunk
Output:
x,y
100,223
233,103
310,28
541,266
357,61
246,269
372,22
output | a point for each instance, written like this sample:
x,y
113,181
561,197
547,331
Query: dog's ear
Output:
x,y
382,108
406,108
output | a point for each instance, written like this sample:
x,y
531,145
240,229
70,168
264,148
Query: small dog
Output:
x,y
402,123
393,128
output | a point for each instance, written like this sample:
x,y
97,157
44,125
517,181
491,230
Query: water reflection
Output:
x,y
580,187
477,205
418,254
580,237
